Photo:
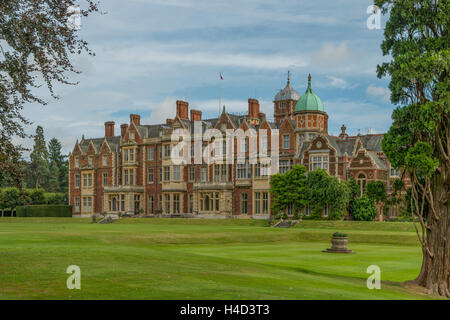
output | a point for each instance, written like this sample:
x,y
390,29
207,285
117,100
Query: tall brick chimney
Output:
x,y
136,119
182,110
253,108
109,129
123,129
196,115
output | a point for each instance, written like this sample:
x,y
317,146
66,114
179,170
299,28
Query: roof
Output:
x,y
288,93
309,101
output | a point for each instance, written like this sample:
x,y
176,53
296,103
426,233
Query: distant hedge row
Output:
x,y
44,211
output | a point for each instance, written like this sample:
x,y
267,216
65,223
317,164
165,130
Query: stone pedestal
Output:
x,y
338,245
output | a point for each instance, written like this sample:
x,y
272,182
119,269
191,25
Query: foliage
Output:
x,y
35,51
324,190
38,168
9,198
376,190
417,41
289,189
340,234
363,209
44,211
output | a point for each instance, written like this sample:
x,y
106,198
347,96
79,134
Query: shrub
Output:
x,y
9,198
296,216
55,198
44,211
37,196
339,234
284,216
363,209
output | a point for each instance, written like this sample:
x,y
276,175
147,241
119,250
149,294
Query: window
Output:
x,y
87,204
160,174
105,179
395,172
150,153
257,202
131,155
105,161
167,203
224,172
137,203
125,177
90,160
150,175
286,142
217,172
191,173
160,202
176,203
265,202
125,155
77,162
244,145
77,204
347,174
176,173
191,203
244,203
308,211
261,202
160,153
77,181
87,180
204,173
167,150
318,162
112,201
122,202
132,135
224,147
217,201
244,170
131,176
166,173
264,145
151,204
285,166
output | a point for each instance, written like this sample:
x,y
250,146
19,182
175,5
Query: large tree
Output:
x,y
36,45
417,41
58,167
38,173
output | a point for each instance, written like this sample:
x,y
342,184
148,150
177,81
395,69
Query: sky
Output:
x,y
150,53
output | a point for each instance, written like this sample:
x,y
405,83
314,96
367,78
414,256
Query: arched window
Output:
x,y
362,183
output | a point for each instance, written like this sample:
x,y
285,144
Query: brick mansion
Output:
x,y
133,171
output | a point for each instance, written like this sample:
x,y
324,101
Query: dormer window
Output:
x,y
77,162
132,135
105,161
90,160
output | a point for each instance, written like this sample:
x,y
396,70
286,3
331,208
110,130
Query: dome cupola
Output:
x,y
288,93
309,101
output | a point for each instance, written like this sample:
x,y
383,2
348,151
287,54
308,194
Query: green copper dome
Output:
x,y
309,101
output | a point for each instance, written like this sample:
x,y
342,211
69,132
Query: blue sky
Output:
x,y
149,53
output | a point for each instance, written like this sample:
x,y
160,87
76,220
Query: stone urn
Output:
x,y
339,244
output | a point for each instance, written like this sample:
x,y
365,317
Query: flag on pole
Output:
x,y
220,74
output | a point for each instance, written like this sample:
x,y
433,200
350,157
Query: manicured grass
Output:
x,y
203,259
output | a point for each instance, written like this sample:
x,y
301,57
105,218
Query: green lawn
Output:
x,y
203,259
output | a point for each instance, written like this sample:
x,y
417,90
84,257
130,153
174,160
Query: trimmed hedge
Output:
x,y
44,211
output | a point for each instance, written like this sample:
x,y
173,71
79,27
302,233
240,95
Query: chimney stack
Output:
x,y
109,129
136,119
253,108
196,115
123,129
182,110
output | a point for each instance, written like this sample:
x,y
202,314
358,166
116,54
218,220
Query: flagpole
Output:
x,y
220,91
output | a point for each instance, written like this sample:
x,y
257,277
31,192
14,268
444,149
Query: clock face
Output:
x,y
319,144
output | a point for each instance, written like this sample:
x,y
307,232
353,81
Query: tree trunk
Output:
x,y
435,272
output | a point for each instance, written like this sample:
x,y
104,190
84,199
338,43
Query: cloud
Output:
x,y
165,110
384,94
331,54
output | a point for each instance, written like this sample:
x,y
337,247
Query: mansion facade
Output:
x,y
133,172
